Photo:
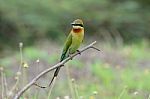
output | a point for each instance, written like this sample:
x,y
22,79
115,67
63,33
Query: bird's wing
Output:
x,y
66,46
65,49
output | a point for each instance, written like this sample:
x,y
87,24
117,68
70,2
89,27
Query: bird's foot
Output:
x,y
70,55
79,52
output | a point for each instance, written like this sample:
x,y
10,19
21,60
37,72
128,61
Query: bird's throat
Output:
x,y
77,30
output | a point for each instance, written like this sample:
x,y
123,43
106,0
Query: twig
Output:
x,y
2,82
25,88
75,89
5,85
19,72
148,96
122,93
70,83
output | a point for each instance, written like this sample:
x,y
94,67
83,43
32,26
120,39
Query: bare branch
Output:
x,y
95,48
60,64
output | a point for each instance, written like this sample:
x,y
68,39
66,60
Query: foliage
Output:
x,y
30,20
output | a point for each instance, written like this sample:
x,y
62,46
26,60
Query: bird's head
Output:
x,y
77,24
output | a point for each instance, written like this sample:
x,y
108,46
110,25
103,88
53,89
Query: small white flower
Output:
x,y
136,92
73,80
66,97
10,93
37,60
95,92
1,68
25,65
81,97
18,73
20,44
16,77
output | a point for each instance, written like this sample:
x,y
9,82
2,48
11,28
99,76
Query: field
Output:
x,y
121,70
116,72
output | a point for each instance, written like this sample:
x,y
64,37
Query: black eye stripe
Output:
x,y
77,25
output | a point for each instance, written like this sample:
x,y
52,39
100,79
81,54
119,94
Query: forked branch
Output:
x,y
60,64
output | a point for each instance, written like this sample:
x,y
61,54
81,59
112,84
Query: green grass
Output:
x,y
104,80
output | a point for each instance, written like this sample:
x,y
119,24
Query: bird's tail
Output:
x,y
55,75
63,56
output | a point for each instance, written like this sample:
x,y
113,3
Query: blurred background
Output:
x,y
122,30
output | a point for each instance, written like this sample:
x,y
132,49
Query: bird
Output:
x,y
72,43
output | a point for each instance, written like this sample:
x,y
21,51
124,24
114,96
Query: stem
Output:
x,y
5,85
70,83
123,91
148,96
76,90
2,82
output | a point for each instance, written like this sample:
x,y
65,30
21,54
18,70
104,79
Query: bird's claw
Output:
x,y
70,56
79,52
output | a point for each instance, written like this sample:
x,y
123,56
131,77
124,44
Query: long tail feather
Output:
x,y
55,75
57,69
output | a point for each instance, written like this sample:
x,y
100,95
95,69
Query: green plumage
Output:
x,y
66,47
